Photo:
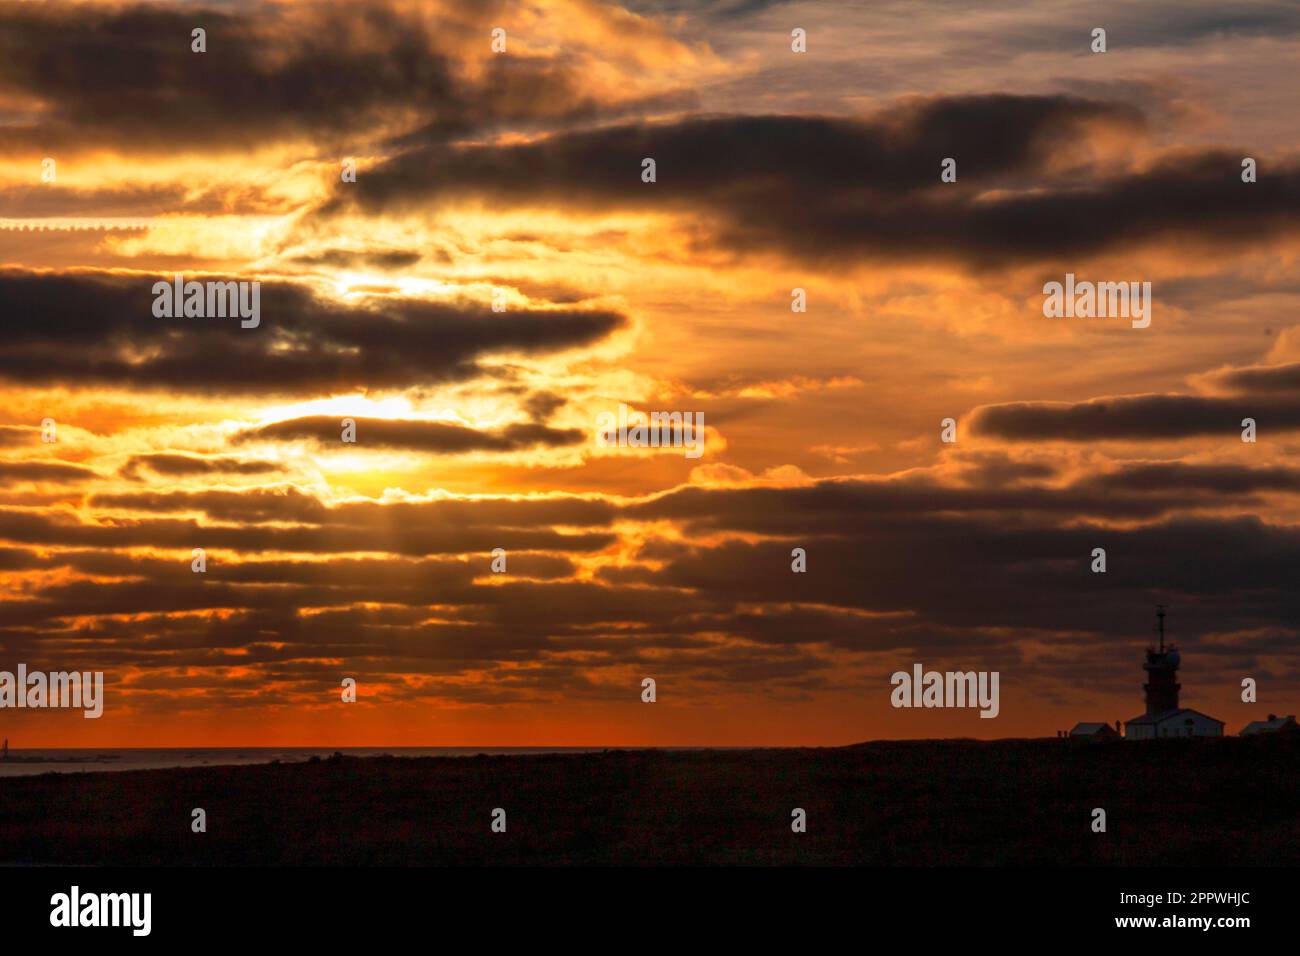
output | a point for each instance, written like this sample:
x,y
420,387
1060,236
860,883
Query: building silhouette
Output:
x,y
1274,725
1163,717
1094,730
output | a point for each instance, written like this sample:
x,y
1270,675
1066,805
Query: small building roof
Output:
x,y
1263,726
1085,728
1162,716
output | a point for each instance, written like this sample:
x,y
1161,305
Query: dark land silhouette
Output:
x,y
954,802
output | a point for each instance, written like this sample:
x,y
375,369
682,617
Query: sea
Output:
x,y
23,763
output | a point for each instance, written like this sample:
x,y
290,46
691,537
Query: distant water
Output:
x,y
21,764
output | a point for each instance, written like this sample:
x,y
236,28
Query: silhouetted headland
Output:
x,y
1233,801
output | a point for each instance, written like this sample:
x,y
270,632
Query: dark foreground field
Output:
x,y
1177,802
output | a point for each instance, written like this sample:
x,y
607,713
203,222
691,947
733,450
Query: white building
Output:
x,y
1182,722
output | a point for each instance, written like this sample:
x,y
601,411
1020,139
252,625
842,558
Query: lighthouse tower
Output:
x,y
1162,685
1164,718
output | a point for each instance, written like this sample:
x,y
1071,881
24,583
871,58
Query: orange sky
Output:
x,y
499,276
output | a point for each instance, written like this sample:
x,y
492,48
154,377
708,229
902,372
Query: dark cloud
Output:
x,y
51,471
853,506
125,76
414,435
1171,477
286,503
1270,380
975,572
95,328
838,189
998,470
1269,394
175,465
393,259
542,405
733,158
252,505
393,529
16,436
1131,417
49,199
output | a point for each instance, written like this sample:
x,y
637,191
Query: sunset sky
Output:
x,y
520,174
